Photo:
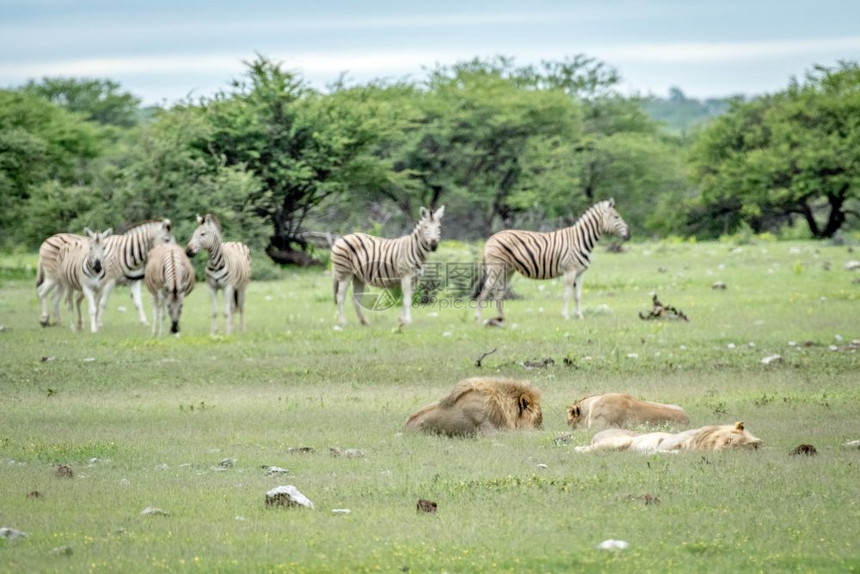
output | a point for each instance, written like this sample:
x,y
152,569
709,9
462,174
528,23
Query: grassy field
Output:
x,y
147,422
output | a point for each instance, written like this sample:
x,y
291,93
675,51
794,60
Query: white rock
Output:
x,y
287,495
613,545
337,328
276,470
11,533
852,265
152,511
851,444
341,511
771,359
542,466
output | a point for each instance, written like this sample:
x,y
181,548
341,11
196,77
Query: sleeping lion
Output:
x,y
619,409
720,437
481,405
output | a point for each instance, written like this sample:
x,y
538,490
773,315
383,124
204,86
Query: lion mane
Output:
x,y
714,438
481,405
619,409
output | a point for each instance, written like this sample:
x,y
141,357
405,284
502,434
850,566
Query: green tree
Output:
x,y
42,147
101,101
304,148
792,154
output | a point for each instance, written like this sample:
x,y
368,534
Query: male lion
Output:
x,y
618,409
481,405
720,437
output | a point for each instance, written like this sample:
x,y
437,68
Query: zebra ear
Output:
x,y
611,202
168,225
422,213
199,219
439,213
89,233
106,232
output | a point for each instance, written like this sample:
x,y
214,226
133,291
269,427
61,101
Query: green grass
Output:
x,y
146,421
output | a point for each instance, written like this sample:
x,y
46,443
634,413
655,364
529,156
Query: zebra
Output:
x,y
48,273
126,256
538,255
83,273
383,263
228,268
169,278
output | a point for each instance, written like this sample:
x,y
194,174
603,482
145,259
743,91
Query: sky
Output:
x,y
164,51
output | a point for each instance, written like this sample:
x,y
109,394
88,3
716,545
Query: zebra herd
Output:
x,y
90,266
389,262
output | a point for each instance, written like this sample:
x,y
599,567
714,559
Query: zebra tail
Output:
x,y
335,284
235,298
40,274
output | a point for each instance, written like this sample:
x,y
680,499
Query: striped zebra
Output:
x,y
369,260
126,256
538,255
169,278
229,268
83,273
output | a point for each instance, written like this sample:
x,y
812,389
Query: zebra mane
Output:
x,y
130,226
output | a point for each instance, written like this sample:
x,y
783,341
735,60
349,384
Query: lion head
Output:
x,y
721,437
478,405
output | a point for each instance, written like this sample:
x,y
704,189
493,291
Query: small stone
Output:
x,y
718,285
341,511
852,444
425,505
542,466
287,496
62,551
11,533
806,449
852,265
227,463
64,471
152,511
49,359
613,545
771,359
301,450
275,471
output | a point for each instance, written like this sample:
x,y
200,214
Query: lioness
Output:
x,y
481,405
720,437
618,409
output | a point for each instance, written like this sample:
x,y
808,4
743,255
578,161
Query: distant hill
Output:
x,y
680,114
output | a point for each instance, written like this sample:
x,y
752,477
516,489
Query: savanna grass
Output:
x,y
146,422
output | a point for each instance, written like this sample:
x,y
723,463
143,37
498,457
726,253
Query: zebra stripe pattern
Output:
x,y
48,273
538,255
169,278
124,252
83,273
369,260
127,253
228,268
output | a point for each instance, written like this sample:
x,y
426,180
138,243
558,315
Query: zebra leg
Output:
x,y
240,307
229,293
578,294
92,308
138,301
78,297
155,321
406,288
44,291
213,294
341,286
357,293
106,291
569,280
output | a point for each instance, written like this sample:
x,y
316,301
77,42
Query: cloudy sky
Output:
x,y
166,50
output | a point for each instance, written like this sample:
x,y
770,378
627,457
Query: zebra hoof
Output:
x,y
496,322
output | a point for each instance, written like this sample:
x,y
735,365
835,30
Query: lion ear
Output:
x,y
573,411
525,402
739,425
